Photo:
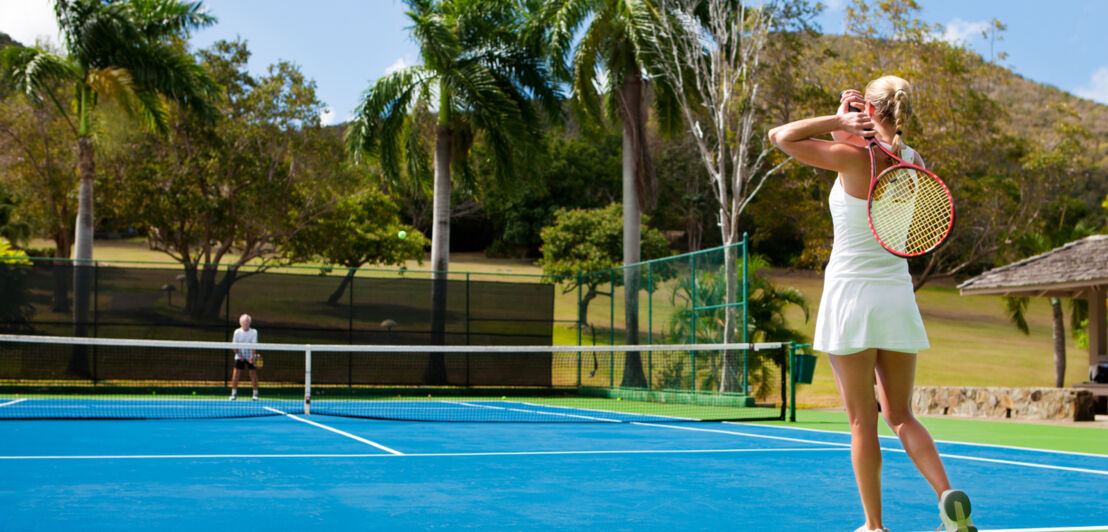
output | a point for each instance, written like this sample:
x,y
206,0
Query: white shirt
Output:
x,y
245,337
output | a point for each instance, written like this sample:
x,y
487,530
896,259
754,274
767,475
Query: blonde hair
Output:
x,y
247,318
891,98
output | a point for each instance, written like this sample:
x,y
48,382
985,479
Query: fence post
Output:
x,y
790,365
692,307
467,319
746,314
650,323
350,330
95,316
580,279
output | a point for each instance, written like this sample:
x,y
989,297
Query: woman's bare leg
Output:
x,y
854,376
896,373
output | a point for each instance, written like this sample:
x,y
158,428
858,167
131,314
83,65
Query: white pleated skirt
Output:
x,y
855,315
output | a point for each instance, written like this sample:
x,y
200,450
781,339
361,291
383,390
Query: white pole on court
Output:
x,y
307,379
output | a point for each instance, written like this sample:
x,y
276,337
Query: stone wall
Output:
x,y
1004,403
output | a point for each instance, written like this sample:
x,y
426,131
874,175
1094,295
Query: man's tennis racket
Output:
x,y
257,360
910,210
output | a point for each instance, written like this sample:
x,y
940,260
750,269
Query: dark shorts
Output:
x,y
243,364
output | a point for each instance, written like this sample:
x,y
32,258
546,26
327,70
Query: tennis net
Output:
x,y
97,378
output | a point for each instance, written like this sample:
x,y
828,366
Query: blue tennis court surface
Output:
x,y
293,472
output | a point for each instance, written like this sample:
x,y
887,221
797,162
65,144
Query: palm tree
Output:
x,y
125,52
483,73
1036,243
605,58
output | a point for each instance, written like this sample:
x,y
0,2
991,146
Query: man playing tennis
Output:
x,y
868,321
244,358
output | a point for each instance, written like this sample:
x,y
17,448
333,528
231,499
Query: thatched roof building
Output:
x,y
1078,269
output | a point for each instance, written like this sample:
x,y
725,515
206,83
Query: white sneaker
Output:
x,y
255,398
233,397
864,529
954,509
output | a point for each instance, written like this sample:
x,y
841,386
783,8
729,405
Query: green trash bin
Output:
x,y
804,366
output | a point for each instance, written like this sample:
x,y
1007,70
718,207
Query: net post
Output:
x,y
790,364
308,380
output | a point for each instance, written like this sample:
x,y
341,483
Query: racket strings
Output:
x,y
910,211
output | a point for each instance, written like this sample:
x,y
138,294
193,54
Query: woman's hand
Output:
x,y
857,126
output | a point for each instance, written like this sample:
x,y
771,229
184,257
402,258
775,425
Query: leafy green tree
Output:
x,y
12,228
223,199
38,167
363,228
574,172
122,52
15,307
587,241
483,73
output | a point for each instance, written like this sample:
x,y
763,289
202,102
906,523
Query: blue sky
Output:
x,y
346,44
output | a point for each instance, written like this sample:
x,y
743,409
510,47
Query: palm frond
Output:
x,y
438,43
164,69
159,19
562,19
379,119
32,71
1017,312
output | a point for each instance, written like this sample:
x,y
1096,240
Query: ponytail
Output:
x,y
891,99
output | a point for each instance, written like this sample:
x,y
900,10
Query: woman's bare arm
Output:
x,y
797,139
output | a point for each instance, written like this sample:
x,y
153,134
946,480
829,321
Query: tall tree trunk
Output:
x,y
440,251
337,294
82,271
633,182
1059,343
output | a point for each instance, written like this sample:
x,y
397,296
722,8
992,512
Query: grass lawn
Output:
x,y
972,342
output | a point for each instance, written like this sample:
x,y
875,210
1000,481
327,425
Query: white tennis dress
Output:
x,y
867,300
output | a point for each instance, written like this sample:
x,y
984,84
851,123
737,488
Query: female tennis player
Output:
x,y
868,321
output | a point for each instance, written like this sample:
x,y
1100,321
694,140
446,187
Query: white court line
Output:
x,y
1065,529
991,445
336,431
606,411
1024,464
13,402
535,411
417,455
944,455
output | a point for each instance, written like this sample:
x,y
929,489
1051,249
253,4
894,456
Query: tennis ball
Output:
x,y
194,392
619,398
502,397
402,235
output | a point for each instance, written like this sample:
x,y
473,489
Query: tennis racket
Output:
x,y
258,360
910,210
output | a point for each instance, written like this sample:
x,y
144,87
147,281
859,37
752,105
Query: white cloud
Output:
x,y
327,117
833,5
397,65
28,21
959,31
1097,88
